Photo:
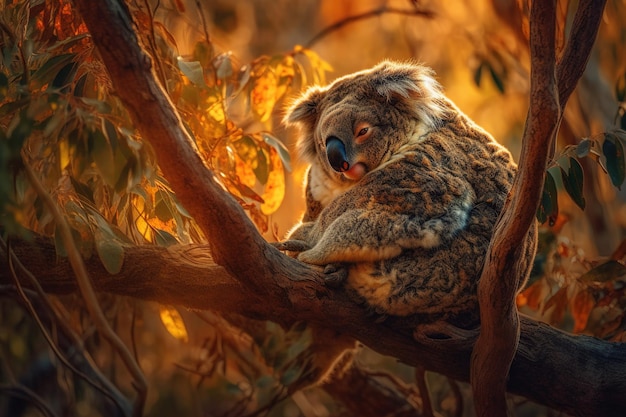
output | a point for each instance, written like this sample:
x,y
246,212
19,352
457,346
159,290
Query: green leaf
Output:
x,y
290,376
49,71
573,182
478,74
280,147
102,155
164,238
497,79
193,71
608,271
65,75
110,252
613,150
262,170
59,245
549,205
162,207
98,105
111,132
583,148
82,189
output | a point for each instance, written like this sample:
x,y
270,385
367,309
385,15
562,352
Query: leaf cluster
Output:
x,y
577,294
567,172
59,115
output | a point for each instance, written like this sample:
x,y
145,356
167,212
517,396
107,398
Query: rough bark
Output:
x,y
586,376
550,88
580,375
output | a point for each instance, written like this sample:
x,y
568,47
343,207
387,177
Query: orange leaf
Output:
x,y
173,322
559,302
275,187
581,307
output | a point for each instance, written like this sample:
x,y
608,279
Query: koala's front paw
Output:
x,y
335,275
291,246
314,256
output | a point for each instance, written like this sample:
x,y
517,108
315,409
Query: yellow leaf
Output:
x,y
64,154
173,322
140,216
245,174
275,187
263,94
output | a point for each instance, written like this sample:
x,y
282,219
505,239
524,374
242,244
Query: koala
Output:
x,y
403,191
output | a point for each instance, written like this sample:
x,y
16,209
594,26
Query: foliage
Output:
x,y
607,151
575,293
59,115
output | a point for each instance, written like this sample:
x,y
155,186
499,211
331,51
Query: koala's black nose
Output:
x,y
336,154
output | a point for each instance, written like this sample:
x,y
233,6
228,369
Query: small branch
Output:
x,y
367,15
89,295
578,49
422,386
106,388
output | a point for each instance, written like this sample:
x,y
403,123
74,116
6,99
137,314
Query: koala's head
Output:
x,y
360,121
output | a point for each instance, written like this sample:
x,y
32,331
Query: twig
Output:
x,y
113,394
27,394
372,13
420,380
89,295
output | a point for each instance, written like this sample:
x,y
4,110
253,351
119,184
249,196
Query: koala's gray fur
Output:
x,y
412,209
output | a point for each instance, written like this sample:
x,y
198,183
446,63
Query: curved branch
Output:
x,y
505,264
587,376
372,13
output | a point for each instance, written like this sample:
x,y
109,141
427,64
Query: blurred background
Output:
x,y
237,52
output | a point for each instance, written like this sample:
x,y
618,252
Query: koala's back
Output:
x,y
458,162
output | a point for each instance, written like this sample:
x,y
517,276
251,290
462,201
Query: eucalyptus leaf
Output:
x,y
102,155
49,70
193,71
607,271
110,251
573,181
613,150
549,205
164,238
280,147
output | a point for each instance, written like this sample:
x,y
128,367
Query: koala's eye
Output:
x,y
363,131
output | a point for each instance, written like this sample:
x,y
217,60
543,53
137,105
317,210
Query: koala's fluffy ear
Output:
x,y
414,84
304,112
304,109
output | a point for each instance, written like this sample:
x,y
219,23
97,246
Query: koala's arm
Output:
x,y
378,232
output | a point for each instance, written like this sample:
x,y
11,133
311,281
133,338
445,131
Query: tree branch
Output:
x,y
372,13
505,262
587,375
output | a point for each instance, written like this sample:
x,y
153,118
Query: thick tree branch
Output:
x,y
504,265
587,376
219,216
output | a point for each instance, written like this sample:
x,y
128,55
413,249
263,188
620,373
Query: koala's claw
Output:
x,y
291,245
335,275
